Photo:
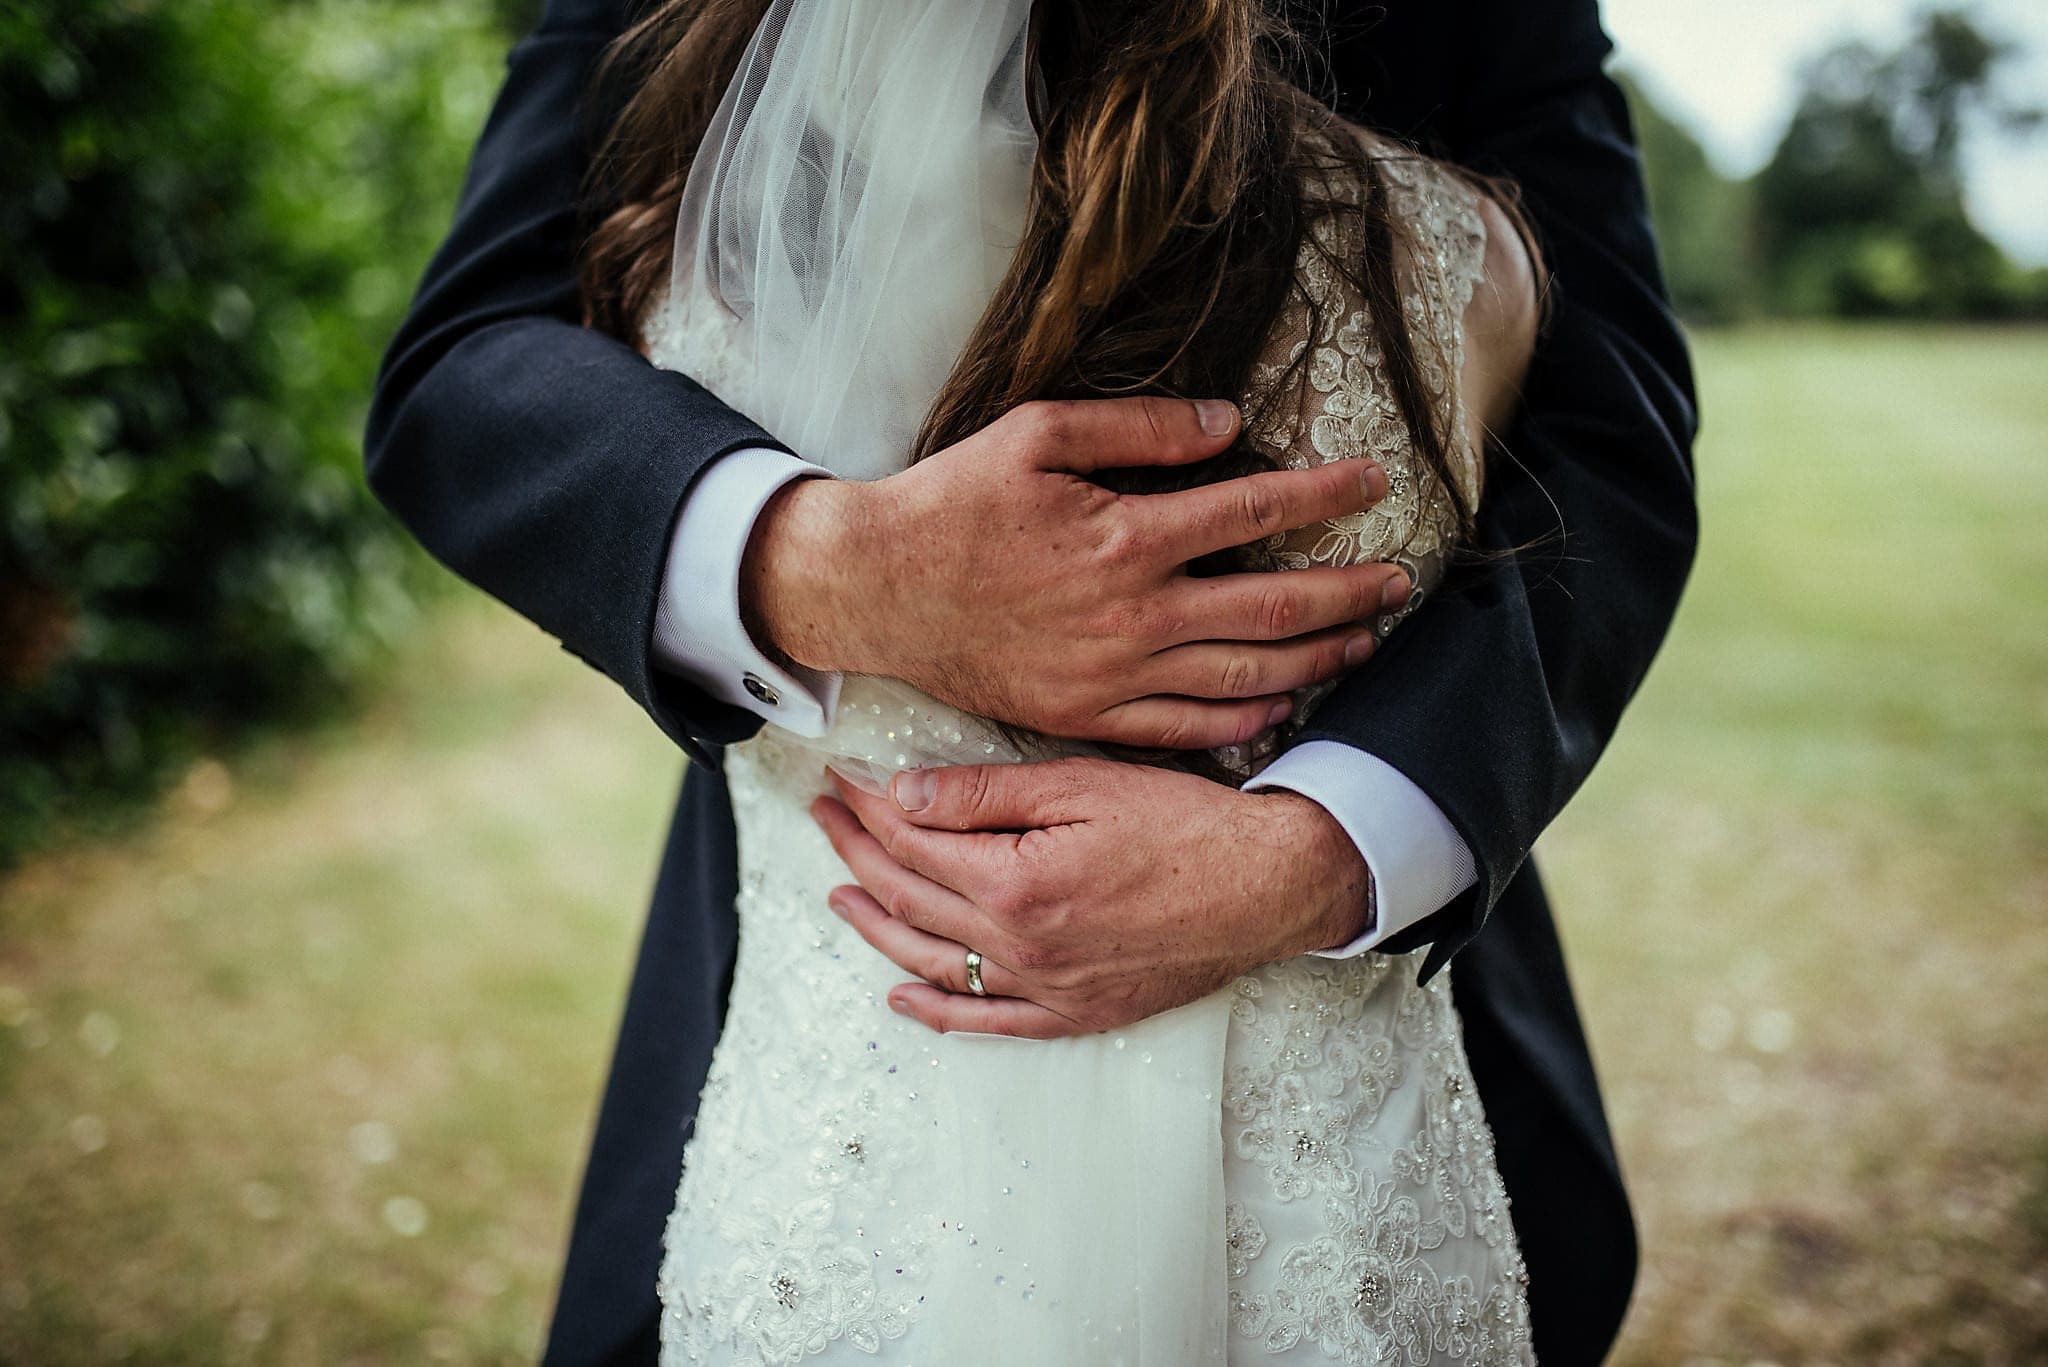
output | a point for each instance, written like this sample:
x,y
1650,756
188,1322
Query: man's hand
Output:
x,y
1097,893
997,577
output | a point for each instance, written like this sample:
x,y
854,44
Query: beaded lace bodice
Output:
x,y
1342,407
1296,1167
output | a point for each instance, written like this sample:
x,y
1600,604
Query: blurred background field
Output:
x,y
325,877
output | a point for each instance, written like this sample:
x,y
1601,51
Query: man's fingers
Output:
x,y
939,961
1231,512
907,896
1175,723
1245,669
963,860
990,797
948,1012
1273,607
1098,434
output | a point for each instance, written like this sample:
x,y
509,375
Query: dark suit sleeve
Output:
x,y
540,460
1497,697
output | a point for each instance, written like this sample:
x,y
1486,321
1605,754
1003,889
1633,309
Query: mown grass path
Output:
x,y
303,1072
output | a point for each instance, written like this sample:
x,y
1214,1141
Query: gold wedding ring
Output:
x,y
974,973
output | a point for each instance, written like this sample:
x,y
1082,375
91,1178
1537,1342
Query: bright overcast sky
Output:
x,y
1729,67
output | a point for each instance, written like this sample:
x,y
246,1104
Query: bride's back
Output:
x,y
1296,1166
1416,381
1178,217
1175,174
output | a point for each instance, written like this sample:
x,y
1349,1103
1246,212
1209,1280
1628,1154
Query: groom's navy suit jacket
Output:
x,y
545,463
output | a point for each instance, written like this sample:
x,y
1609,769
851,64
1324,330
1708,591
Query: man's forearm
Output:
x,y
542,461
807,584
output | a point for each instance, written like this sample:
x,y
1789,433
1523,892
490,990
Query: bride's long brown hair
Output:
x,y
1178,169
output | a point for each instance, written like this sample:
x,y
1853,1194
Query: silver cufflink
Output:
x,y
762,692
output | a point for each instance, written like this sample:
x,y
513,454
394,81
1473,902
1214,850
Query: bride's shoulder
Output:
x,y
1473,246
1502,317
1447,212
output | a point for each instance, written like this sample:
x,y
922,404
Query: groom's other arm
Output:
x,y
1496,700
541,460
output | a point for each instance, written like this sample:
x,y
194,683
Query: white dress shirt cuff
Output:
x,y
698,632
1417,859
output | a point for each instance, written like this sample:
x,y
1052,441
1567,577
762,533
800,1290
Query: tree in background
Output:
x,y
214,211
1860,211
1705,221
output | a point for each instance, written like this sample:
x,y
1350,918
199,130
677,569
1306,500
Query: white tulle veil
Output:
x,y
857,197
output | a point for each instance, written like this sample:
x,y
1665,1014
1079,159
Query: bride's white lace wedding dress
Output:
x,y
1295,1168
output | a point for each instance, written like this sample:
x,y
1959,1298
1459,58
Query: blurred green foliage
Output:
x,y
1705,221
214,211
1860,211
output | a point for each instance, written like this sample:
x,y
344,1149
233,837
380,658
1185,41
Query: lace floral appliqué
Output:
x,y
1401,1250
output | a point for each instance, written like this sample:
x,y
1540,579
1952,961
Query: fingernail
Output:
x,y
898,1007
1359,649
1373,480
915,789
1281,711
837,904
1395,593
1216,416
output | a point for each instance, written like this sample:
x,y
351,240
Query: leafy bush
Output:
x,y
214,210
1705,221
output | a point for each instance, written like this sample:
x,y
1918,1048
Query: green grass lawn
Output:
x,y
303,1071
